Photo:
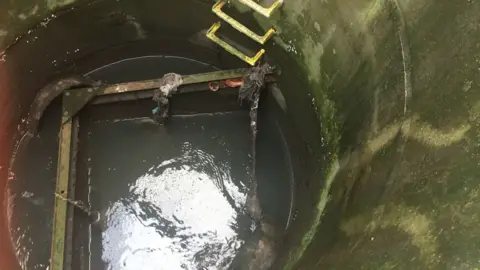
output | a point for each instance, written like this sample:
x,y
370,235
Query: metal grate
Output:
x,y
74,101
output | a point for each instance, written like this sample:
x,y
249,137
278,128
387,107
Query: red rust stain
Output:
x,y
234,82
7,256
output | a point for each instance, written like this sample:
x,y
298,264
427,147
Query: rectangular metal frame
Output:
x,y
67,143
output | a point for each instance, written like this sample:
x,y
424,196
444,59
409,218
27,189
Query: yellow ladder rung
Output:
x,y
229,48
217,9
264,11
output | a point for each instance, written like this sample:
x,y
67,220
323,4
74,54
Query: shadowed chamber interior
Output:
x,y
367,145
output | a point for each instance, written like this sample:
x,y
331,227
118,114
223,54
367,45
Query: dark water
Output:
x,y
170,197
31,189
173,197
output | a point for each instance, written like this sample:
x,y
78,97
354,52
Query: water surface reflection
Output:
x,y
173,199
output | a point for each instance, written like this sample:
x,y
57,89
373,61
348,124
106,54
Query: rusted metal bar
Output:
x,y
187,79
71,194
145,94
60,211
76,99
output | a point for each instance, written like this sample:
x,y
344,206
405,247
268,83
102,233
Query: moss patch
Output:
x,y
308,237
53,4
406,219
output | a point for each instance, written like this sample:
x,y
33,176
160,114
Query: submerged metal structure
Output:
x,y
383,94
73,101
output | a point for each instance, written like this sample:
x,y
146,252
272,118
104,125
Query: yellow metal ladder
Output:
x,y
267,12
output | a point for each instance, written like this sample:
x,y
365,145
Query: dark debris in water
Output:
x,y
168,86
253,81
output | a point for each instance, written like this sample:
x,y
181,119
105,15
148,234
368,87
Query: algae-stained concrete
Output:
x,y
17,17
395,155
396,87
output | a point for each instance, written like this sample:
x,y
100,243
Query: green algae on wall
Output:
x,y
394,83
297,252
22,15
409,220
54,4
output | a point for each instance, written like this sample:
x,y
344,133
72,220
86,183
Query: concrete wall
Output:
x,y
393,180
396,87
17,17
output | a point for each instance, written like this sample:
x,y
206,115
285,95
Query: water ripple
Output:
x,y
182,214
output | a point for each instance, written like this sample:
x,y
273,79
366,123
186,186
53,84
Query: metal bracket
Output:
x,y
262,10
74,100
229,48
217,9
